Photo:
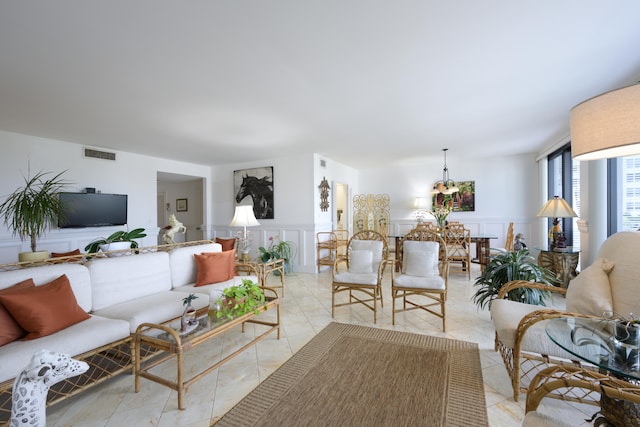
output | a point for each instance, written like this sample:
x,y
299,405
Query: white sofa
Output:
x,y
119,294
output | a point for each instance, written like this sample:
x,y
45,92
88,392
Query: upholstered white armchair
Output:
x,y
611,283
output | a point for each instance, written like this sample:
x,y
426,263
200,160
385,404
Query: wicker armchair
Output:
x,y
520,335
424,275
618,398
366,258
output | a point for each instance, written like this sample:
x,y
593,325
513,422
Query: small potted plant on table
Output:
x,y
285,250
117,241
240,299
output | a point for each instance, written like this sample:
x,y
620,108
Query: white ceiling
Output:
x,y
363,82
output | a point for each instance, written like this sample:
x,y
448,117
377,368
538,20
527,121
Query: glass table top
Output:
x,y
605,343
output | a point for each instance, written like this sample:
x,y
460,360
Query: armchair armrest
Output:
x,y
515,284
337,262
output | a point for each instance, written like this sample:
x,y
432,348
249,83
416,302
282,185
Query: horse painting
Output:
x,y
261,191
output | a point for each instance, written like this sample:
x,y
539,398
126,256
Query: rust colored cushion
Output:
x,y
213,267
61,254
227,244
10,330
44,310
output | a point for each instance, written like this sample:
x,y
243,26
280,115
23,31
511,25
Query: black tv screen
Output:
x,y
93,210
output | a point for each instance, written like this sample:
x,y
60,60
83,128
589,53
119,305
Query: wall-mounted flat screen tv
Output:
x,y
93,210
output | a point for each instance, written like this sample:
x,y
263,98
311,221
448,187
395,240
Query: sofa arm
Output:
x,y
515,284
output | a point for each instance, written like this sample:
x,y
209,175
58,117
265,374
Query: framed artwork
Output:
x,y
462,201
182,205
256,183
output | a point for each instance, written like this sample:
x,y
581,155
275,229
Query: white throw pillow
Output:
x,y
361,261
420,258
590,292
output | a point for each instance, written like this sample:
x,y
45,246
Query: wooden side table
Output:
x,y
563,264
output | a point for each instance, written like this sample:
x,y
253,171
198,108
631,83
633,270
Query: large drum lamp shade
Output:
x,y
607,125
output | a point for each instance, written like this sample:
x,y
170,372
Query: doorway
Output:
x,y
182,196
341,213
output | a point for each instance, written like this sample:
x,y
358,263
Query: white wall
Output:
x,y
506,190
131,174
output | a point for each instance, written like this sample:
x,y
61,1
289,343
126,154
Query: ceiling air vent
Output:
x,y
97,154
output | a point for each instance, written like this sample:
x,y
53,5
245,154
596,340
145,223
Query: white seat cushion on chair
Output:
x,y
358,278
375,246
417,282
506,316
361,261
420,258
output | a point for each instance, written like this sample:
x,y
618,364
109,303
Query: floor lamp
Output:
x,y
244,218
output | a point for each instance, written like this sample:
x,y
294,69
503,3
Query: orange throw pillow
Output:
x,y
44,310
213,267
227,244
10,330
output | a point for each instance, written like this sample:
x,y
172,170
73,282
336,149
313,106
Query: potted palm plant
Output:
x,y
31,210
512,265
117,241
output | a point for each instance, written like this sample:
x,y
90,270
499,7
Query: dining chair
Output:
x,y
366,258
424,274
458,240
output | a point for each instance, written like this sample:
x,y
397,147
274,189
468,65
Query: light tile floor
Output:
x,y
306,309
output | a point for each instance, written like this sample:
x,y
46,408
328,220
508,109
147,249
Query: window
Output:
x,y
564,181
624,194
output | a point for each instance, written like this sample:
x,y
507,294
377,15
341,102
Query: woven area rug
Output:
x,y
359,376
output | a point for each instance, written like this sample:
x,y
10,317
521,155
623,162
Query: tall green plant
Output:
x,y
31,210
508,266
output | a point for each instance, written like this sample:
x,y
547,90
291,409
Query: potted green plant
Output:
x,y
285,250
188,320
31,210
240,299
116,241
507,266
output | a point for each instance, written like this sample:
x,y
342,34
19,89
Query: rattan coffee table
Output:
x,y
167,341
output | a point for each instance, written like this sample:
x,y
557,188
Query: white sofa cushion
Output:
x,y
157,308
590,292
183,264
127,278
74,340
78,278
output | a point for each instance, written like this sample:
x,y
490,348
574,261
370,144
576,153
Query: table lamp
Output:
x,y
244,217
421,205
557,208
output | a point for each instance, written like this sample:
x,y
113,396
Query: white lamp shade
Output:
x,y
421,203
557,208
244,217
607,125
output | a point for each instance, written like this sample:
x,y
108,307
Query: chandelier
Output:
x,y
445,185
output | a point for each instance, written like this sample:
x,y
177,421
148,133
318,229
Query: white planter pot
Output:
x,y
115,246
